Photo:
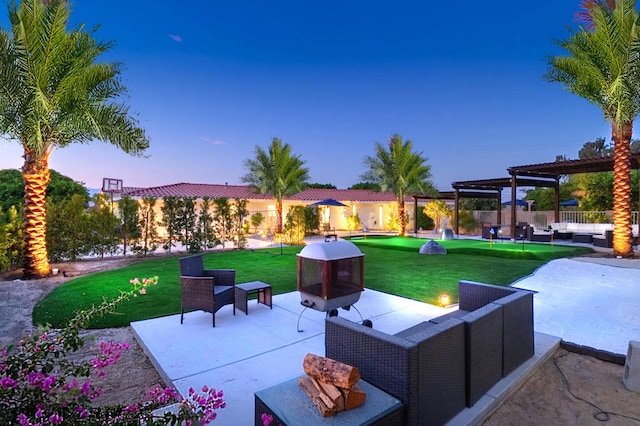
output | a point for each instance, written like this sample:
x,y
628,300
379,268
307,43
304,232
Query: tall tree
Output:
x,y
60,188
437,210
148,226
103,225
544,198
205,224
11,188
129,225
238,213
13,244
54,92
187,218
602,65
277,172
321,186
596,149
68,236
170,210
396,168
222,221
366,185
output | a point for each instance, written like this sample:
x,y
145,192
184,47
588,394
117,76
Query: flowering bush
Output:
x,y
266,419
40,386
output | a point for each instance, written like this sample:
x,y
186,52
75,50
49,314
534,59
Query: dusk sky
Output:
x,y
210,80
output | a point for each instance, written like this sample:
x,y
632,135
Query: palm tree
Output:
x,y
399,170
276,172
53,92
603,66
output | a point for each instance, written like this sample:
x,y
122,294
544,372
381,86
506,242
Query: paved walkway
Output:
x,y
588,301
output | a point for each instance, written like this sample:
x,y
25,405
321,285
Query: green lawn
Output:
x,y
392,265
500,248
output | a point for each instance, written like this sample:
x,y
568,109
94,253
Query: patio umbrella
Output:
x,y
329,202
572,203
520,203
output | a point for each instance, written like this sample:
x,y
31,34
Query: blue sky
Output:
x,y
210,80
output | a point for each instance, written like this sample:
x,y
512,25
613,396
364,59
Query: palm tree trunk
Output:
x,y
403,225
622,244
35,174
279,215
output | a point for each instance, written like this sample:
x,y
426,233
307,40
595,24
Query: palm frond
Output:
x,y
397,168
61,94
276,171
602,61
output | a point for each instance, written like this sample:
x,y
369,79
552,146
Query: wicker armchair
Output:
x,y
422,366
205,289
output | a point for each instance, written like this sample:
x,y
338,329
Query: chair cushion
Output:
x,y
192,266
219,289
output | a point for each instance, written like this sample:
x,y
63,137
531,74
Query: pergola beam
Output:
x,y
545,175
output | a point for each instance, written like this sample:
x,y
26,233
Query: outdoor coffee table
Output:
x,y
287,403
245,289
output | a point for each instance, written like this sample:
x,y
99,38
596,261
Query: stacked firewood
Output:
x,y
331,385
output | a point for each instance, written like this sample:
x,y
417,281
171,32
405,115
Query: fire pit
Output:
x,y
330,276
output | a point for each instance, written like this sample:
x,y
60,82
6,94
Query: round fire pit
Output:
x,y
330,276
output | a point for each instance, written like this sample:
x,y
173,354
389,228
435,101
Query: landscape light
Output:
x,y
444,300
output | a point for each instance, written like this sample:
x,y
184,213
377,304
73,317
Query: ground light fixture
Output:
x,y
444,300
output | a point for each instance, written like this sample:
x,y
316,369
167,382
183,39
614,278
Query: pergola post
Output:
x,y
456,199
499,206
513,206
556,201
415,215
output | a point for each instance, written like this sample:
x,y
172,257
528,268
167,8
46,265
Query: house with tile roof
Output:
x,y
373,208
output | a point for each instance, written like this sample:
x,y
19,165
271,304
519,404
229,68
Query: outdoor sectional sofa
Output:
x,y
423,366
600,234
498,333
438,367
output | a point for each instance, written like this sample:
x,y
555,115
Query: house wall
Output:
x,y
373,216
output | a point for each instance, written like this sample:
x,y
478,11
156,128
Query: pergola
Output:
x,y
545,175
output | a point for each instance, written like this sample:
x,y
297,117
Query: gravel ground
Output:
x,y
128,380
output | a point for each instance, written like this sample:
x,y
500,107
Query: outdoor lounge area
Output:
x,y
246,353
250,353
592,234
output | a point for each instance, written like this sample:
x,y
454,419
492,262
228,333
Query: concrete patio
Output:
x,y
246,353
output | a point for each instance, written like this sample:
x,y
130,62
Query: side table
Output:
x,y
290,406
245,289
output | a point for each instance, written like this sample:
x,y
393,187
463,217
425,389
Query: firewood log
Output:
x,y
354,397
330,394
314,395
329,371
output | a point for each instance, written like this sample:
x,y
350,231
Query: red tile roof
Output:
x,y
311,195
318,194
197,190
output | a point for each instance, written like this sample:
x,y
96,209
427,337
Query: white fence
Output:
x,y
542,219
